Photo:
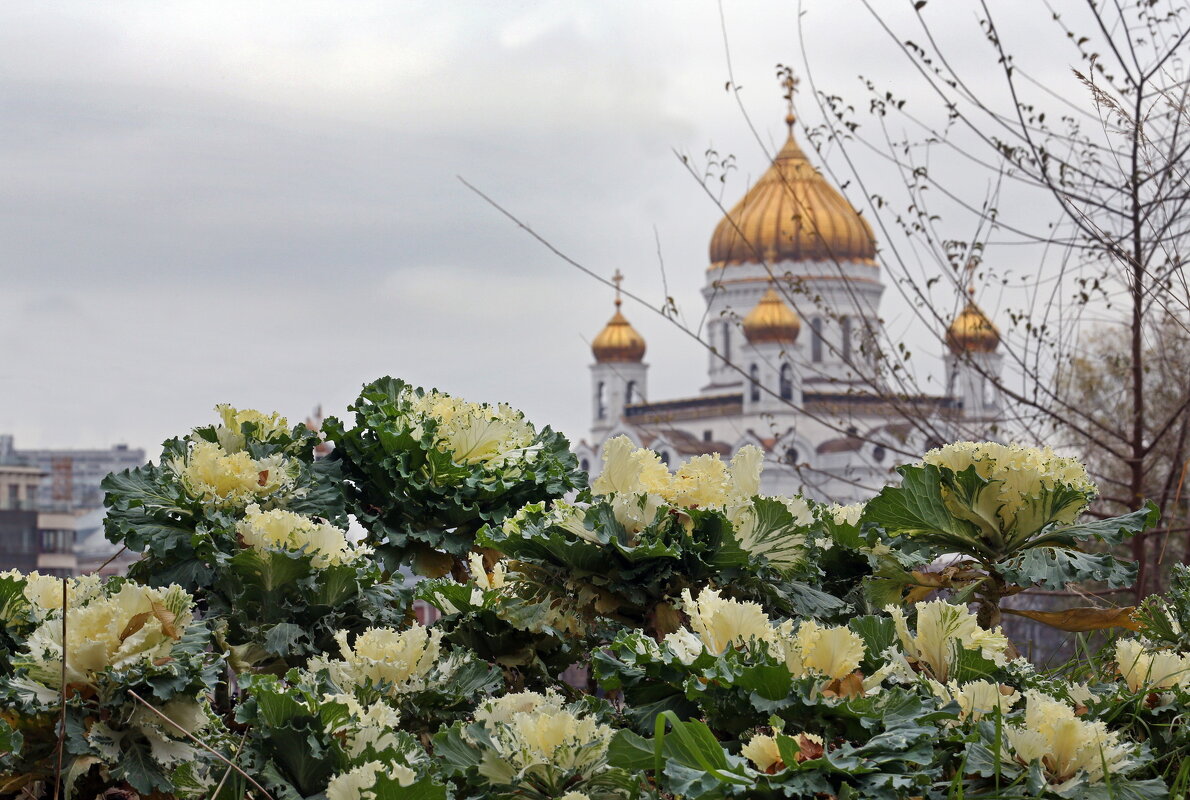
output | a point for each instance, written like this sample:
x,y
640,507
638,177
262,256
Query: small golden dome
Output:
x,y
618,341
972,332
772,321
792,214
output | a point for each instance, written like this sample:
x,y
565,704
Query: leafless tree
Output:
x,y
1095,346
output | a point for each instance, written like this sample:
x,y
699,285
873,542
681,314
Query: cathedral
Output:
x,y
792,292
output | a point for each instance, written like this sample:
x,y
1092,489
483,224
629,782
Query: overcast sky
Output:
x,y
257,202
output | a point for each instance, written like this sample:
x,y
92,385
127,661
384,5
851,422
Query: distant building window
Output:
x,y
664,455
630,392
600,401
708,435
847,338
585,465
727,341
786,382
754,390
57,541
816,339
791,455
879,454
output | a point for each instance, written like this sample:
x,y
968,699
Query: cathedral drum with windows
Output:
x,y
792,293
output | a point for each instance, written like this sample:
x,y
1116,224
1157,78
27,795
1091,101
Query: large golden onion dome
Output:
x,y
618,341
792,214
772,320
972,332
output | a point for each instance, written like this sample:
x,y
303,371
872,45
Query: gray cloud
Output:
x,y
257,203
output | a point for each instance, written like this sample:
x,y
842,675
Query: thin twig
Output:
x,y
118,553
200,743
226,773
62,718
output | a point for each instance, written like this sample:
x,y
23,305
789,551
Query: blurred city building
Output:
x,y
51,508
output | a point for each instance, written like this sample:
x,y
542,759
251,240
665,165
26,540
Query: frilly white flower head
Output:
x,y
230,433
846,515
133,625
1065,745
285,530
533,733
371,726
811,649
230,479
44,592
1150,669
942,627
476,433
399,660
721,623
976,699
704,481
359,783
1024,477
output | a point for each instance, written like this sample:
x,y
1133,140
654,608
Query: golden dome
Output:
x,y
972,332
771,321
618,341
792,214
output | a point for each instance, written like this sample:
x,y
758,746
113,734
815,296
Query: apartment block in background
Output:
x,y
70,478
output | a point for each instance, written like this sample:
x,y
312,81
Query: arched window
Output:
x,y
816,339
846,338
989,395
879,454
664,456
786,382
754,390
630,393
585,465
600,400
727,341
791,455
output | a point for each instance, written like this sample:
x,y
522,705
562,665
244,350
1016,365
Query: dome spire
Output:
x,y
618,341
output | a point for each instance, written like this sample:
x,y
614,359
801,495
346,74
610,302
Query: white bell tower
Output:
x,y
619,376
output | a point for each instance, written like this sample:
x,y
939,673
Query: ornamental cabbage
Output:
x,y
1143,669
537,737
288,531
833,652
1066,746
396,660
264,427
943,627
474,433
721,623
764,754
976,699
1029,487
230,480
366,781
133,625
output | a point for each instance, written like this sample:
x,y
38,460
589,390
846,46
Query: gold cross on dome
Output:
x,y
617,279
790,83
